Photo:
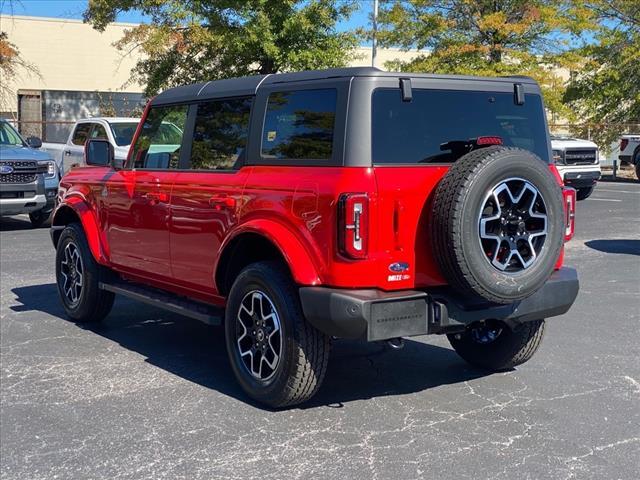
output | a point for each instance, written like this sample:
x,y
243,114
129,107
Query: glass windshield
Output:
x,y
123,132
439,126
8,135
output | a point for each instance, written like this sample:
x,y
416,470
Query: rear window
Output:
x,y
430,128
299,125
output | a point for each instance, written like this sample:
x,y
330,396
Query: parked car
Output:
x,y
117,130
28,178
348,203
578,162
630,151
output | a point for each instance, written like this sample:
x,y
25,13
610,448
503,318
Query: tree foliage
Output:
x,y
489,37
194,40
606,88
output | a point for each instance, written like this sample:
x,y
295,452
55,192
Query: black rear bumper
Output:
x,y
377,315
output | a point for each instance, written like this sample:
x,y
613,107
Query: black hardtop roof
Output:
x,y
244,86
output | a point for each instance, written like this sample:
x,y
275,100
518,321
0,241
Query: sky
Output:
x,y
74,8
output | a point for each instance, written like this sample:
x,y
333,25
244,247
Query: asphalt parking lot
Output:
x,y
150,395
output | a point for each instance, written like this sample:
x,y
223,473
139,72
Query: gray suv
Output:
x,y
28,178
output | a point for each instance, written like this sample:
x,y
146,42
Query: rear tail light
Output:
x,y
569,195
623,143
556,174
353,225
492,140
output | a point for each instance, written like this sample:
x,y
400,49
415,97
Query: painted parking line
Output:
x,y
604,199
616,191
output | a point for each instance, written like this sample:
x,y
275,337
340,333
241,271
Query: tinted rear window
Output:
x,y
299,125
417,131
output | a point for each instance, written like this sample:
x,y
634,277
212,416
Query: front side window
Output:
x,y
220,134
436,126
158,146
81,134
300,124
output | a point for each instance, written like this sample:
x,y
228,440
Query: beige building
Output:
x,y
71,55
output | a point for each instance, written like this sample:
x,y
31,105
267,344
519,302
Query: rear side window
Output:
x,y
158,146
299,125
81,133
432,126
220,134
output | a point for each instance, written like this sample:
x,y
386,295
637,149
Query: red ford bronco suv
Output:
x,y
349,203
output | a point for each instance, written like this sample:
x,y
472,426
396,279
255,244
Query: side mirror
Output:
x,y
98,152
34,142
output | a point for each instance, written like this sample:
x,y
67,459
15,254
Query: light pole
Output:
x,y
374,43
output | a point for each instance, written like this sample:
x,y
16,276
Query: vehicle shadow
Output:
x,y
15,223
617,179
197,353
629,247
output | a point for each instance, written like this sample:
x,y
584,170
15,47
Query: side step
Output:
x,y
168,301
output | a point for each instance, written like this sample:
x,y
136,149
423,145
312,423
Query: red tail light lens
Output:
x,y
569,195
353,225
623,143
489,141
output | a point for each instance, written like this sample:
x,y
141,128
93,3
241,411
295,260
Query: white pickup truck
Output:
x,y
630,151
118,130
578,162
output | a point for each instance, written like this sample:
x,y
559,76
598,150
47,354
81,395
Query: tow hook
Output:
x,y
396,343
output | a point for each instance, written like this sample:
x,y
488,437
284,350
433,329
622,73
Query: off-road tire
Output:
x,y
456,208
510,349
39,218
94,303
584,193
305,350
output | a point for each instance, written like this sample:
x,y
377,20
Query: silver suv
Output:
x,y
28,178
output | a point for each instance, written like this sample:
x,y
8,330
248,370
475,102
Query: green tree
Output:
x,y
606,87
489,37
195,40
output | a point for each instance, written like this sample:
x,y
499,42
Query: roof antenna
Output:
x,y
374,40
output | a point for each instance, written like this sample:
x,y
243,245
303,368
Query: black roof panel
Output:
x,y
233,87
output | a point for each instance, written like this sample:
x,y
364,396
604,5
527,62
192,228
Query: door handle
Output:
x,y
67,153
222,201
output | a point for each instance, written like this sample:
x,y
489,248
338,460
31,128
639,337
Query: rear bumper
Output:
x,y
376,315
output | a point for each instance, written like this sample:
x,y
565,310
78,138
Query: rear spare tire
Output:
x,y
497,224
